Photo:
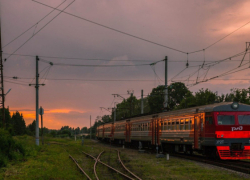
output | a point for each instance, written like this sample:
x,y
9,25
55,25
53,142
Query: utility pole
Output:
x,y
90,127
131,95
166,84
1,71
37,100
114,110
142,101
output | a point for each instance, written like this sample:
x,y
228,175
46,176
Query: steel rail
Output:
x,y
125,166
57,143
220,163
98,160
80,168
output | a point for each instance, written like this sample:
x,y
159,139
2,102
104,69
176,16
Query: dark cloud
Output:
x,y
184,25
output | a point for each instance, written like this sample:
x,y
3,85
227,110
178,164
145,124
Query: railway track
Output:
x,y
80,168
239,166
97,160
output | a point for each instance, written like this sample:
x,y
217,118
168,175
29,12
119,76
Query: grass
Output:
x,y
51,161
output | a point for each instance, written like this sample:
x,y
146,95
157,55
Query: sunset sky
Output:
x,y
73,93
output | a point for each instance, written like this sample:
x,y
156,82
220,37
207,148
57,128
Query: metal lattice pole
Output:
x,y
2,87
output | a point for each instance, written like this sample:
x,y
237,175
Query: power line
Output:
x,y
38,31
136,80
232,71
73,79
86,65
108,60
174,49
113,29
16,83
35,25
209,65
220,39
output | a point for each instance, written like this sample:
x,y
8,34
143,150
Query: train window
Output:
x,y
166,125
209,120
169,124
186,124
244,119
177,124
173,125
226,120
191,127
182,127
162,125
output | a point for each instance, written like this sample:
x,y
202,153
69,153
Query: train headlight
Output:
x,y
235,105
221,135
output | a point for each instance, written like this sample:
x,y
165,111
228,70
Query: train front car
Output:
x,y
232,131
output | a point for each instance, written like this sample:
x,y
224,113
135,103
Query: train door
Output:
x,y
128,132
196,132
155,131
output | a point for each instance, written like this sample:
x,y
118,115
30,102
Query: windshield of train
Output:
x,y
226,120
244,119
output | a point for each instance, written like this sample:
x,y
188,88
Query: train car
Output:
x,y
119,132
140,130
100,132
220,130
108,131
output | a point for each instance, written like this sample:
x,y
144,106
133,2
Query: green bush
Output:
x,y
3,160
10,149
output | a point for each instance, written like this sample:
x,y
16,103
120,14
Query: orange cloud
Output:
x,y
55,118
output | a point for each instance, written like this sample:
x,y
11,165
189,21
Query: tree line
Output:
x,y
179,97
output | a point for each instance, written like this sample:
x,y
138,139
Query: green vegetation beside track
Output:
x,y
51,161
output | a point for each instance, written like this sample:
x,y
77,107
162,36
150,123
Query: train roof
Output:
x,y
222,106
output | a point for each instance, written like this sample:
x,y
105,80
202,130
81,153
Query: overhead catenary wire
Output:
x,y
88,65
209,65
74,79
108,60
137,37
35,25
113,29
16,83
38,31
232,71
220,38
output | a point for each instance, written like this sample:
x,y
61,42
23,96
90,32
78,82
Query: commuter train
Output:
x,y
220,130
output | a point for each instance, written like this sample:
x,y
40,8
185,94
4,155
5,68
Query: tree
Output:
x,y
84,130
176,93
8,124
18,123
106,119
238,95
188,101
156,99
53,133
32,128
203,97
